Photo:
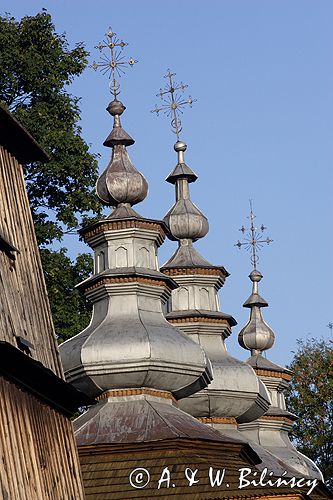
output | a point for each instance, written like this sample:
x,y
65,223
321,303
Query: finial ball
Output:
x,y
255,276
180,146
115,107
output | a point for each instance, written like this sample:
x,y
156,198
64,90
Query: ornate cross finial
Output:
x,y
252,241
115,64
173,104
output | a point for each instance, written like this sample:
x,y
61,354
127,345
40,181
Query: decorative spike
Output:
x,y
173,102
252,241
115,64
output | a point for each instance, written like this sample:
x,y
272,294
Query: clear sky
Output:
x,y
262,128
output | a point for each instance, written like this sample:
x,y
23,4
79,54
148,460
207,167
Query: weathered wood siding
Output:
x,y
24,307
106,474
38,455
37,450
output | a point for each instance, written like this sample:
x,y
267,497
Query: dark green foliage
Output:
x,y
70,311
311,399
36,67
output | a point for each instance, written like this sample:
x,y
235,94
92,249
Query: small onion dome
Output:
x,y
185,221
121,182
256,336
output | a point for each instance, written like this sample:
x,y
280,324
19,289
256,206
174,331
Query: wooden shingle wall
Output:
x,y
107,472
38,456
24,307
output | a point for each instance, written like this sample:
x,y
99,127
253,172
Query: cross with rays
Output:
x,y
115,64
173,102
252,241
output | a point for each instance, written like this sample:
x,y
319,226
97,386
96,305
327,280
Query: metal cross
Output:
x,y
115,64
252,241
173,102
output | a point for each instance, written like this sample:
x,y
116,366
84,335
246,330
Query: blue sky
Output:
x,y
262,128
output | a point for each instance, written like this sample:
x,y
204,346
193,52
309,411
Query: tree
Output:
x,y
70,310
311,399
36,68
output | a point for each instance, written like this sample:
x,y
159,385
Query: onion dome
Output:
x,y
121,184
256,336
135,362
235,394
184,219
129,344
270,431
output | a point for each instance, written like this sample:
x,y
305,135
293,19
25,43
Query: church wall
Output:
x,y
38,455
25,313
37,449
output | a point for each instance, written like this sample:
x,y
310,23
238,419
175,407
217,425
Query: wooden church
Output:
x,y
169,412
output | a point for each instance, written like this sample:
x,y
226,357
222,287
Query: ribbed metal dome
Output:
x,y
121,182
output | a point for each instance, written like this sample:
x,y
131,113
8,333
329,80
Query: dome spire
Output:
x,y
185,221
256,336
121,185
194,306
270,430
